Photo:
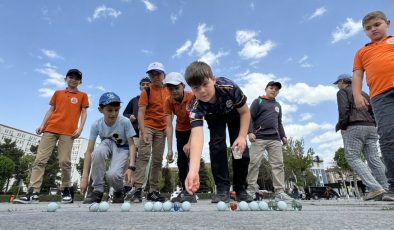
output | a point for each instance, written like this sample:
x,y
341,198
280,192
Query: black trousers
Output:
x,y
182,137
218,152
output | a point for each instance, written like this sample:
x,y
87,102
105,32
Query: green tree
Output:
x,y
167,183
26,163
7,167
205,183
10,150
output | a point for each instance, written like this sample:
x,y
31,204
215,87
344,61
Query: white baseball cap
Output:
x,y
157,66
174,78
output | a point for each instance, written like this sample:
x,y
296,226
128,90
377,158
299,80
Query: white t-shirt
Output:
x,y
118,132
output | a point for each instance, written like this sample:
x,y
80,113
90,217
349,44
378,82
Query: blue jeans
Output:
x,y
383,108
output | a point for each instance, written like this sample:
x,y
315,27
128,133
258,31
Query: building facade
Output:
x,y
319,171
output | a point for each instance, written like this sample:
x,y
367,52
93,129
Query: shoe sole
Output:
x,y
377,197
18,201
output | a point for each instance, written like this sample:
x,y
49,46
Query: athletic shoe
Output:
x,y
388,196
155,196
135,197
68,195
242,195
221,196
30,198
375,195
185,196
283,196
96,197
118,197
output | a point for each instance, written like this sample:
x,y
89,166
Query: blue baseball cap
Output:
x,y
345,77
108,98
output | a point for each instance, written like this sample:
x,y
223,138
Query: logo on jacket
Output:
x,y
229,103
74,100
390,41
277,109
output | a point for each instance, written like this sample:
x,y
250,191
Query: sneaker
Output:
x,y
96,197
221,196
118,197
375,195
30,198
242,195
283,196
388,196
155,196
185,196
136,196
68,195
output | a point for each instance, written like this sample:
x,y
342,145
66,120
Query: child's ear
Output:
x,y
100,109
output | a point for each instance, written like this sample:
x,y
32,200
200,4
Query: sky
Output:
x,y
303,44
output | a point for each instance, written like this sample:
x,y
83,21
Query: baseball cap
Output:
x,y
345,77
274,83
156,66
109,97
173,78
75,72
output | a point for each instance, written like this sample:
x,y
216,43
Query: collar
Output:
x,y
387,37
266,98
75,91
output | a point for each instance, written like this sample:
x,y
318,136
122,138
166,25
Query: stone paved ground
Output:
x,y
323,214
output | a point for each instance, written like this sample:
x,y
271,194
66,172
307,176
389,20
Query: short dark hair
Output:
x,y
374,15
197,72
115,104
145,79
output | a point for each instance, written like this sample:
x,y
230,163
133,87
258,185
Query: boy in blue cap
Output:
x,y
116,134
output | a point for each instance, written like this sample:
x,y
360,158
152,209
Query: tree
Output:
x,y
167,183
7,167
10,150
205,183
344,168
26,163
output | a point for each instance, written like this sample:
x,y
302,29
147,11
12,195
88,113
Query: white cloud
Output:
x,y
101,88
318,12
53,77
202,44
326,137
175,16
346,30
302,93
184,48
2,60
211,58
146,51
104,12
305,116
303,62
46,92
149,6
252,47
51,54
327,147
253,84
298,131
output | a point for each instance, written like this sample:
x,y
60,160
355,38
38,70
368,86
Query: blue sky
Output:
x,y
303,44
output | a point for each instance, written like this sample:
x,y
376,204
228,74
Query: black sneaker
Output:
x,y
68,195
185,196
118,197
221,196
96,197
155,196
30,198
135,197
242,195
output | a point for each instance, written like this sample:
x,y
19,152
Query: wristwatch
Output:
x,y
132,168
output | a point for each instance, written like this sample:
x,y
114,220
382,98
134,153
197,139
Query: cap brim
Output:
x,y
336,82
156,70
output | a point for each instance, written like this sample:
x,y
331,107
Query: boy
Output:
x,y
152,122
60,125
177,105
376,60
221,102
266,133
116,134
360,137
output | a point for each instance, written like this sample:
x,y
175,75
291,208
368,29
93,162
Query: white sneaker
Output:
x,y
283,196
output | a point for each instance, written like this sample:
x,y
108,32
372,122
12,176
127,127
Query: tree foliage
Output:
x,y
205,182
7,167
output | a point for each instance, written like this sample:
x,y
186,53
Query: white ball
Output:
x,y
186,206
157,206
148,206
263,206
103,206
125,207
243,206
94,207
282,206
52,207
221,206
167,206
254,206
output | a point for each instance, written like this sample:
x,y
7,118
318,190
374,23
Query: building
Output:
x,y
319,172
24,140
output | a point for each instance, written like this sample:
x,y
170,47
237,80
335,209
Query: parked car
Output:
x,y
320,193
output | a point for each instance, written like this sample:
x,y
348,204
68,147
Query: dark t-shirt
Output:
x,y
132,108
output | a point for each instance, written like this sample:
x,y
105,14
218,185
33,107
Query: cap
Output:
x,y
75,72
274,83
109,97
174,78
157,66
345,77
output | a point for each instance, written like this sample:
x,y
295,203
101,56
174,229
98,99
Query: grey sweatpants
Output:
x,y
107,149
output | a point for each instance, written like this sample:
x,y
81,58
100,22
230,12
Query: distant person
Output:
x,y
177,104
116,135
295,192
360,137
376,60
60,125
152,124
266,133
223,105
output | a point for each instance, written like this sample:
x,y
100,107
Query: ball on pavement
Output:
x,y
148,206
157,206
186,206
282,206
263,206
52,207
243,206
221,206
103,206
125,207
94,207
254,206
167,206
